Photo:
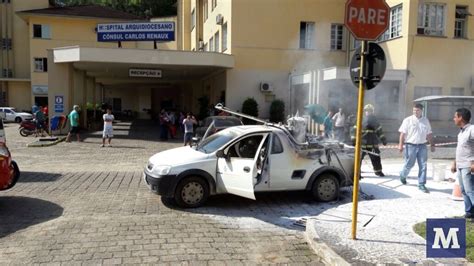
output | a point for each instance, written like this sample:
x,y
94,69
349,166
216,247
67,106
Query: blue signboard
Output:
x,y
146,31
58,104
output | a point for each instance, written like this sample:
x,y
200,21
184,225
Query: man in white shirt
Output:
x,y
108,132
339,122
463,164
415,131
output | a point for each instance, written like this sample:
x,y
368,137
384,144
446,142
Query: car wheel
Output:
x,y
18,119
191,192
326,188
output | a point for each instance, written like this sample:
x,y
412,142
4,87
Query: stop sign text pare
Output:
x,y
367,16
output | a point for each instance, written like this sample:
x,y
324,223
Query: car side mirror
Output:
x,y
195,140
220,154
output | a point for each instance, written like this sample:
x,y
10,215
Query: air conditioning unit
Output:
x,y
219,19
266,87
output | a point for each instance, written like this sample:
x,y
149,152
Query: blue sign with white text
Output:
x,y
58,104
146,31
445,238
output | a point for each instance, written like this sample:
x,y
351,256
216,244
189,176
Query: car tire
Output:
x,y
18,119
191,192
326,188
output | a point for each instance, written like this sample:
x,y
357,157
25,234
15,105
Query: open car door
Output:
x,y
237,167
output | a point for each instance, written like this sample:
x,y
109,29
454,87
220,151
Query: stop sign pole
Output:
x,y
367,20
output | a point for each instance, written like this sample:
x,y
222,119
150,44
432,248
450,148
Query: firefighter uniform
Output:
x,y
371,134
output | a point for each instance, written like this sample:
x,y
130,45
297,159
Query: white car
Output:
x,y
10,114
242,160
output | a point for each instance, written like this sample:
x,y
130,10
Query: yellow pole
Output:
x,y
360,104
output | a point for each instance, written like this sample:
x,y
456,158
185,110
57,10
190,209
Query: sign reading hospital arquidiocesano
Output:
x,y
146,31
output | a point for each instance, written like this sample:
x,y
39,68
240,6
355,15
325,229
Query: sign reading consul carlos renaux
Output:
x,y
146,31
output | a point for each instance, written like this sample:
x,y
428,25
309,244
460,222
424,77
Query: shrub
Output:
x,y
277,111
250,107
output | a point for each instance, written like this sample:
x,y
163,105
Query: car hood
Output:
x,y
178,156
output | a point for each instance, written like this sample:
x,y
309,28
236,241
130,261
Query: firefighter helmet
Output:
x,y
369,107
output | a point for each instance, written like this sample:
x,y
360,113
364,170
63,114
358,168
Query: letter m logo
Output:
x,y
445,238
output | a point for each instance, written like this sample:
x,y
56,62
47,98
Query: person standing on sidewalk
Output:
x,y
339,122
414,132
188,124
328,125
74,122
465,159
372,134
108,132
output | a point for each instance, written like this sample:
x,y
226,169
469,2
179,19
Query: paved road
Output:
x,y
77,203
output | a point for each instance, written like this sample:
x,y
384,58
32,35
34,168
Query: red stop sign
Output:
x,y
367,19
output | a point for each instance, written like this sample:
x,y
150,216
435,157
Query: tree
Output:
x,y
250,107
142,8
277,111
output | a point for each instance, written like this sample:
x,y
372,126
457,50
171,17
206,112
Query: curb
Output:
x,y
45,143
328,255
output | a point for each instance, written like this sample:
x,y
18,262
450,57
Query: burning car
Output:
x,y
242,160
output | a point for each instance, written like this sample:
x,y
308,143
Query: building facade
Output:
x,y
228,50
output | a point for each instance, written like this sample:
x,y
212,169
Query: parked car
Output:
x,y
242,160
12,115
213,124
9,171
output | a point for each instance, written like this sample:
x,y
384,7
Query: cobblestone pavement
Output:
x,y
78,203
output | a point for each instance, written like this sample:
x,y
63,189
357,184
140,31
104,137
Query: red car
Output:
x,y
9,171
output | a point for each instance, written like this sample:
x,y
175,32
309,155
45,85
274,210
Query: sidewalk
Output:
x,y
384,224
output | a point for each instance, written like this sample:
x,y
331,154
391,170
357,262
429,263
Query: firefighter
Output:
x,y
371,134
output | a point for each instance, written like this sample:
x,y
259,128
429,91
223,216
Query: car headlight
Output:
x,y
161,169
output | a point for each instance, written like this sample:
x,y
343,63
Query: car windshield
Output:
x,y
214,142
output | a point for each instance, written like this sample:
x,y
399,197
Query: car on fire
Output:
x,y
242,160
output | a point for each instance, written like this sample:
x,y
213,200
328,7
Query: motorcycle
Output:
x,y
28,127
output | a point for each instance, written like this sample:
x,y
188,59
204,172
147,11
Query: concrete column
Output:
x,y
60,83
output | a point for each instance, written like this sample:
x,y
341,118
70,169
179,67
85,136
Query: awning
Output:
x,y
112,65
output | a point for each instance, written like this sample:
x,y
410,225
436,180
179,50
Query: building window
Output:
x,y
435,111
41,31
216,41
395,26
7,73
224,37
211,44
193,19
306,35
337,35
355,43
41,64
6,43
431,19
205,10
214,4
460,22
206,47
